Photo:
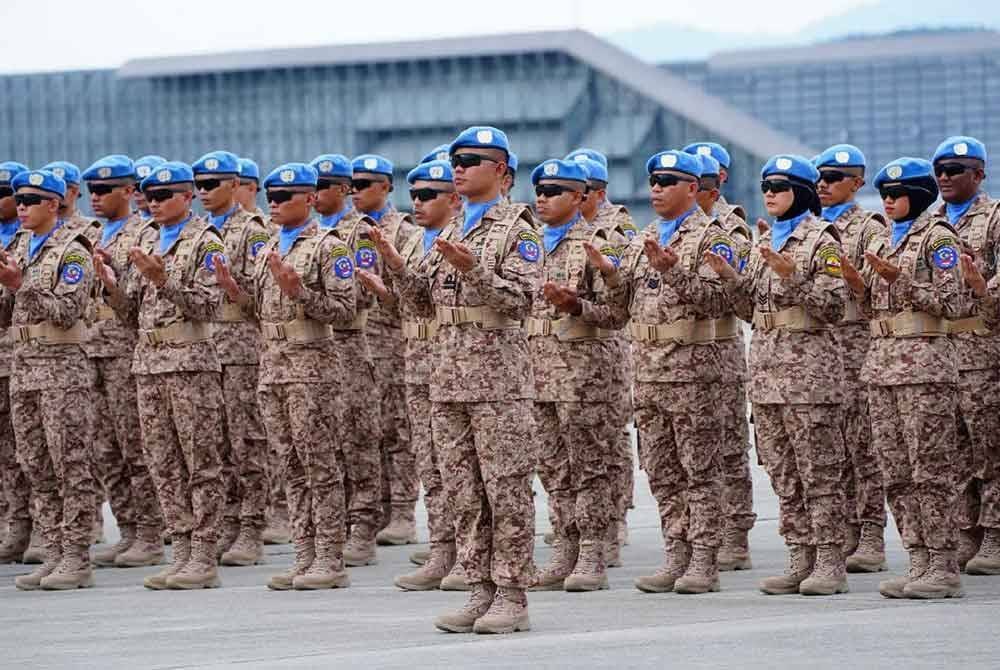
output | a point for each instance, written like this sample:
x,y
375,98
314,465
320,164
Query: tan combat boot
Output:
x,y
181,550
16,542
612,547
200,572
829,574
734,554
145,551
35,553
987,559
565,553
852,536
33,580
919,560
227,535
420,556
677,557
590,572
73,572
431,573
278,529
800,564
305,553
326,572
248,549
870,553
105,558
402,529
455,580
360,549
462,620
969,540
941,579
702,574
508,613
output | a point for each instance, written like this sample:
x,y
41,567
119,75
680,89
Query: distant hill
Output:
x,y
666,42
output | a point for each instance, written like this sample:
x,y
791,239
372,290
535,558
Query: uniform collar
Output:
x,y
331,220
220,221
834,212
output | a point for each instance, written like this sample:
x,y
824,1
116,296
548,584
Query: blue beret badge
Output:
x,y
72,273
945,254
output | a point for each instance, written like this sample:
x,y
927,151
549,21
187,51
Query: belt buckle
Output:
x,y
447,315
768,320
151,337
650,332
23,333
422,333
884,328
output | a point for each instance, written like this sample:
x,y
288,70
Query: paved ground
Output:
x,y
373,625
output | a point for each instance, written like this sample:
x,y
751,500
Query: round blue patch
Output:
x,y
72,273
343,267
629,233
255,248
946,258
211,257
365,257
723,250
615,260
529,250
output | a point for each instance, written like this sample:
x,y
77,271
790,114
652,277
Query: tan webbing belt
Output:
x,y
684,331
231,313
298,330
419,330
566,329
910,324
484,317
182,332
49,333
974,324
793,319
727,328
359,322
104,312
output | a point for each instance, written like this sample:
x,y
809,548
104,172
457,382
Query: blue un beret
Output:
x,y
841,155
146,164
710,167
431,171
557,169
960,146
678,161
115,166
791,165
249,169
292,174
481,137
512,161
373,164
217,162
713,149
592,154
167,174
333,165
904,169
594,170
40,179
66,171
438,153
10,169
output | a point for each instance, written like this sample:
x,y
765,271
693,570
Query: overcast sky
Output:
x,y
44,35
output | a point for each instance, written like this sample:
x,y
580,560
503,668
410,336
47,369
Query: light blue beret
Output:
x,y
168,173
431,171
960,146
584,152
713,149
481,137
217,162
40,179
791,165
554,168
65,170
292,174
438,153
595,170
10,169
249,169
146,164
841,155
115,166
333,165
677,161
373,164
903,169
709,166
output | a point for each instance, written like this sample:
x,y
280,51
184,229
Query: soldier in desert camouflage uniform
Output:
x,y
143,168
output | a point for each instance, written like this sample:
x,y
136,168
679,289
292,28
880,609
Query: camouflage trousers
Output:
x,y
864,497
440,519
357,444
15,491
680,426
276,503
400,481
244,449
802,449
621,461
118,452
300,420
575,442
488,459
737,483
979,449
182,426
913,429
53,433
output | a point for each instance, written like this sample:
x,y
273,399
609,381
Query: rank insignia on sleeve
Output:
x,y
613,254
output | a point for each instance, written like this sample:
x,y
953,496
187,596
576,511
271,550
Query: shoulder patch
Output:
x,y
613,254
723,247
257,242
830,255
74,257
72,272
528,249
213,251
343,268
529,235
365,255
944,253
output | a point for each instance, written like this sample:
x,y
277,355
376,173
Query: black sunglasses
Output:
x,y
950,169
6,192
206,185
552,190
896,191
666,180
358,185
30,199
425,194
160,194
780,186
102,189
324,184
279,197
832,176
469,160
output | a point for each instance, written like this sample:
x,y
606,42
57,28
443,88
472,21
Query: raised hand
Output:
x,y
562,298
457,255
660,258
598,260
149,266
782,264
887,271
973,277
762,226
374,283
288,279
10,271
385,248
719,265
226,281
852,277
104,272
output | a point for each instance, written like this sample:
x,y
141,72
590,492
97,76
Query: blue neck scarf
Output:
x,y
474,211
957,211
169,234
331,220
669,227
36,241
110,229
900,229
833,212
8,229
379,213
146,216
430,234
287,237
552,235
782,230
220,221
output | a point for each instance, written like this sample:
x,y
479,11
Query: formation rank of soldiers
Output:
x,y
313,368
